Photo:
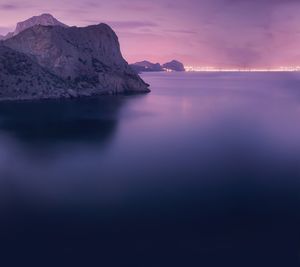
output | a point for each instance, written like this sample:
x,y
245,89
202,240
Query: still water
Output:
x,y
203,171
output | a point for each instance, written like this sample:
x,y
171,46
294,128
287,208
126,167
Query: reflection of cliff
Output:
x,y
61,121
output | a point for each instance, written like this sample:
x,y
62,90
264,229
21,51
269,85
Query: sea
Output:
x,y
202,171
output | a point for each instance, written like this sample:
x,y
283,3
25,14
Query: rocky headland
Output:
x,y
45,58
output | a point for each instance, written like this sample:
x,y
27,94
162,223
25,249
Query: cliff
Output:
x,y
88,60
44,20
22,78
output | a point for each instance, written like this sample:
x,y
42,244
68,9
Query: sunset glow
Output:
x,y
214,69
258,33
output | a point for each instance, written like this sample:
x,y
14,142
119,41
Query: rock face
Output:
x,y
86,60
22,78
7,36
44,19
174,65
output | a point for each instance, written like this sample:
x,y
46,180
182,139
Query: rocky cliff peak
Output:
x,y
88,58
44,19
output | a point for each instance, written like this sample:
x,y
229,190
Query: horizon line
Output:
x,y
232,69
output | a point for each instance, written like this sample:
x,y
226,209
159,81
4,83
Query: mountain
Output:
x,y
87,61
22,78
7,36
44,19
146,66
174,65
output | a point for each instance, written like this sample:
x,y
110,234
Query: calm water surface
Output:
x,y
203,171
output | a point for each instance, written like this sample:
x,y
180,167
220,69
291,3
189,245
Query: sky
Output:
x,y
217,33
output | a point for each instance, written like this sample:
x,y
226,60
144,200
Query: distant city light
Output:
x,y
167,70
214,69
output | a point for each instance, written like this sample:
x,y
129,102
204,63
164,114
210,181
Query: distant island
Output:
x,y
147,66
44,58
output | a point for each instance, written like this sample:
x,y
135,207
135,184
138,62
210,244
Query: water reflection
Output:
x,y
204,171
52,121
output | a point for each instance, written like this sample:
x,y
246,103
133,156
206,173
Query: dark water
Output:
x,y
204,171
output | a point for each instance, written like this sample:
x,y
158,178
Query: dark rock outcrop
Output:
x,y
44,20
22,78
7,36
87,61
174,65
146,66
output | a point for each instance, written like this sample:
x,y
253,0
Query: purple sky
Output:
x,y
220,33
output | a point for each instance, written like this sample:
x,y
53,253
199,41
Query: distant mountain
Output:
x,y
44,19
146,66
87,61
174,65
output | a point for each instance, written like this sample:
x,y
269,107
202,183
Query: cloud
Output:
x,y
132,24
5,30
9,6
270,3
126,25
15,6
205,32
138,6
182,31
